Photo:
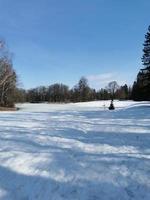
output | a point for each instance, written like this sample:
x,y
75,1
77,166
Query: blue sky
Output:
x,y
62,40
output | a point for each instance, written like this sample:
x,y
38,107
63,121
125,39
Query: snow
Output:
x,y
78,151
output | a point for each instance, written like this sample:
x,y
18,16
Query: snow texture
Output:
x,y
78,151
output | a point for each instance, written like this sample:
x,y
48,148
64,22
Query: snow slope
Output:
x,y
77,151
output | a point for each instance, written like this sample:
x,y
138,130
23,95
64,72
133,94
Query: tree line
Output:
x,y
59,92
81,92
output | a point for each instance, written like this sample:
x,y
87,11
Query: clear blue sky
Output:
x,y
62,40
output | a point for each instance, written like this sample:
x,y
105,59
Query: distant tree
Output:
x,y
103,94
58,93
135,92
42,93
8,77
20,95
83,90
112,88
93,95
32,96
75,94
122,93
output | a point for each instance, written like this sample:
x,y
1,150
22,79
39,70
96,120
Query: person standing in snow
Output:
x,y
111,107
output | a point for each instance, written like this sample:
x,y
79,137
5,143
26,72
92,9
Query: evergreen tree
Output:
x,y
141,88
146,50
84,90
122,93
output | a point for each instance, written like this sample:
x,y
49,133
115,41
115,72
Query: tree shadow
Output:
x,y
75,172
16,186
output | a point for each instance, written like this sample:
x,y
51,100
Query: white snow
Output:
x,y
78,151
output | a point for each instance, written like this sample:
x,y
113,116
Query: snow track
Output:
x,y
75,152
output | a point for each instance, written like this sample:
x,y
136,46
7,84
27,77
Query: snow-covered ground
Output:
x,y
77,151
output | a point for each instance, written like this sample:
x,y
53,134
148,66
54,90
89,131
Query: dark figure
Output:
x,y
111,107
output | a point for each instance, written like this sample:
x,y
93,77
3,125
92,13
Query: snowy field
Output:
x,y
77,151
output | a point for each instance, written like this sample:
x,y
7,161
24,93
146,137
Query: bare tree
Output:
x,y
8,77
112,88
